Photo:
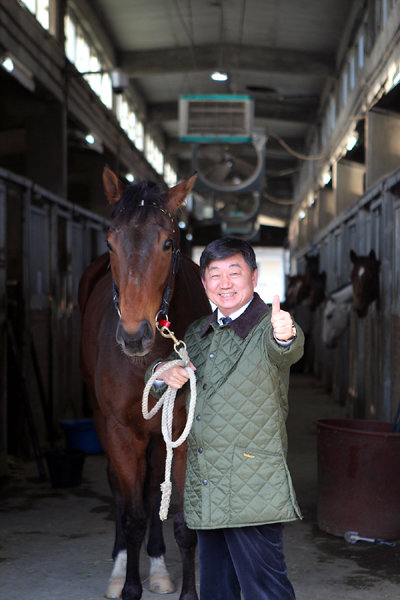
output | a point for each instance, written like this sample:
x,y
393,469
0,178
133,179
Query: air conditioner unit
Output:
x,y
216,118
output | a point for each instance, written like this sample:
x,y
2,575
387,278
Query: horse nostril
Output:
x,y
138,342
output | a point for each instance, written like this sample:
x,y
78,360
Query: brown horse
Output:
x,y
365,279
120,306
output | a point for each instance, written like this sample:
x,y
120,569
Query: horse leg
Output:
x,y
159,580
117,578
186,538
128,456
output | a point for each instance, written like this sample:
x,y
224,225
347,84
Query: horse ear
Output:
x,y
177,194
353,256
372,256
112,185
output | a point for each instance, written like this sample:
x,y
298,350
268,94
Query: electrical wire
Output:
x,y
188,30
293,152
278,200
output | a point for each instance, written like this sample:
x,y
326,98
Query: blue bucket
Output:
x,y
81,434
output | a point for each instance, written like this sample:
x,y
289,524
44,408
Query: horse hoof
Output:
x,y
114,588
161,584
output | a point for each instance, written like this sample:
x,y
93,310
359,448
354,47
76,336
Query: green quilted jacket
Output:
x,y
236,471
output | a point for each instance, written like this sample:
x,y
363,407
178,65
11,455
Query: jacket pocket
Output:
x,y
259,489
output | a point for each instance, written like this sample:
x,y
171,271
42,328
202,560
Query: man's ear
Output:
x,y
255,277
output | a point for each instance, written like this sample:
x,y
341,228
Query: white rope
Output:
x,y
167,401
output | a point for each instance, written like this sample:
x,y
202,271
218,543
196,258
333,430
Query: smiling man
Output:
x,y
238,489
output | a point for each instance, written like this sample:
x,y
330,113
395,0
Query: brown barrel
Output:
x,y
358,478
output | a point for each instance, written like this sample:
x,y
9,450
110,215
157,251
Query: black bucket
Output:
x,y
358,478
65,467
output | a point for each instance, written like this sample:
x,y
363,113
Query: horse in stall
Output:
x,y
363,290
304,293
335,315
365,279
122,296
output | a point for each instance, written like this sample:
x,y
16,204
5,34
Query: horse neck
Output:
x,y
189,300
343,295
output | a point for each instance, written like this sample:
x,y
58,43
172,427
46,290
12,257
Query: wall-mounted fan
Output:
x,y
237,207
230,167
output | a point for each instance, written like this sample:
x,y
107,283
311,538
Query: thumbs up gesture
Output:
x,y
282,323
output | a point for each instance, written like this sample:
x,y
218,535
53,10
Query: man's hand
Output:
x,y
176,377
282,322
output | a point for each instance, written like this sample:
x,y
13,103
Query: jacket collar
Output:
x,y
243,324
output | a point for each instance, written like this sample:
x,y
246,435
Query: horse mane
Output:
x,y
145,195
343,294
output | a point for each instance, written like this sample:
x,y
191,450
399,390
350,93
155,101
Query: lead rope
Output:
x,y
167,402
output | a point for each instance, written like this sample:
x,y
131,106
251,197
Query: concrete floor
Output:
x,y
55,543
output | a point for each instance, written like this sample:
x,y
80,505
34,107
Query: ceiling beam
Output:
x,y
282,111
204,58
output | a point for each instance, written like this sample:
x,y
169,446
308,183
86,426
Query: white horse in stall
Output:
x,y
335,316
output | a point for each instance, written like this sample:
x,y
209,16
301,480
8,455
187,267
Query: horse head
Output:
x,y
335,315
365,279
143,243
294,285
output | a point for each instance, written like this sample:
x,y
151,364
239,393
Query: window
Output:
x,y
169,174
39,8
139,142
70,39
154,155
129,121
81,52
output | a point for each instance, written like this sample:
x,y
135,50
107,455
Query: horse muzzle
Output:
x,y
138,343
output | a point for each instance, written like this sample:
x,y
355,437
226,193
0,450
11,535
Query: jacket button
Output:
x,y
204,386
205,481
200,450
198,417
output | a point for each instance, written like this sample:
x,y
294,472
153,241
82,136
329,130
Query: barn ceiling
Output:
x,y
283,53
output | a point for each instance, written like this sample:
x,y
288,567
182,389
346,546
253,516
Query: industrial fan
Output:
x,y
229,167
237,207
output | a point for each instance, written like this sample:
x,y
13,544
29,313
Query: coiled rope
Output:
x,y
167,402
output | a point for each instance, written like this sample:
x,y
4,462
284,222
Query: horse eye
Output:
x,y
168,244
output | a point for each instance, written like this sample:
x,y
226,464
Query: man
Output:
x,y
238,490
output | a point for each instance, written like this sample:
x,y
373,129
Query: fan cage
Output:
x,y
208,118
253,181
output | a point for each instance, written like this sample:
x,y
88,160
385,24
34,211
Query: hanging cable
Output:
x,y
278,200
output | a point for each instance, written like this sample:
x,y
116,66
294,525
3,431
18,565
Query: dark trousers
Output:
x,y
246,559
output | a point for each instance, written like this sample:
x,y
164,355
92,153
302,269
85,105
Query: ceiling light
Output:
x,y
326,177
17,69
219,76
7,64
311,199
94,143
351,141
396,78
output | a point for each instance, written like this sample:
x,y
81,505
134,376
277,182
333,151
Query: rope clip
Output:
x,y
163,326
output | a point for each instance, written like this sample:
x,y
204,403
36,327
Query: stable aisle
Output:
x,y
55,544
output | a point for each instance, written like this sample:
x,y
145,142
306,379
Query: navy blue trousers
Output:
x,y
246,559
